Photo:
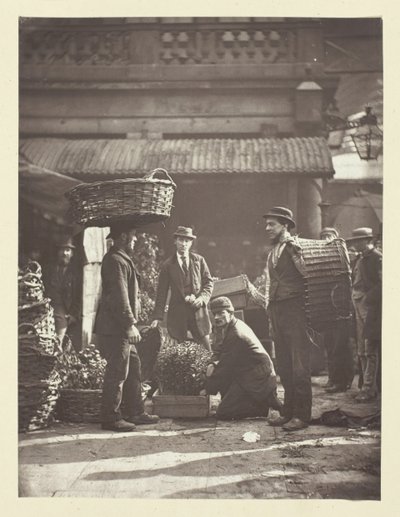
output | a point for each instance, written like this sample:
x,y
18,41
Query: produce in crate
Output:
x,y
137,200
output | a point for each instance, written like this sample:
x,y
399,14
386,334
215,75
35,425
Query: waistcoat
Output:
x,y
285,280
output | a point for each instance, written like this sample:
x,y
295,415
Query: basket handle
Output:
x,y
150,175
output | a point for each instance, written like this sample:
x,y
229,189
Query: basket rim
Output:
x,y
119,181
75,390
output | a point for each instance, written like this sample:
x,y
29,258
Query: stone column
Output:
x,y
309,213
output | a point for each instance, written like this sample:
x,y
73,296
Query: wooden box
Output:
x,y
234,288
181,406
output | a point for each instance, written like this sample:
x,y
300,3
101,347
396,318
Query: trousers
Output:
x,y
368,350
122,379
339,354
292,345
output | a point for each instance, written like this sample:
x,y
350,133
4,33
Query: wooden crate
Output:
x,y
181,406
234,288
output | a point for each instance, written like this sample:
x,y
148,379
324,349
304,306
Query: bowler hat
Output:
x,y
120,227
282,213
221,303
361,233
66,242
183,231
329,229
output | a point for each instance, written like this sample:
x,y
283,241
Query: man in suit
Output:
x,y
367,302
285,293
241,370
188,278
337,343
64,287
117,334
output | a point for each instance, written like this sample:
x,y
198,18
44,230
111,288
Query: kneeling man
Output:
x,y
241,370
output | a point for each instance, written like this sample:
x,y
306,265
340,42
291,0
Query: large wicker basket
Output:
x,y
79,405
36,402
328,282
140,200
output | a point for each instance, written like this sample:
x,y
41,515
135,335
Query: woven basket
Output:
x,y
140,200
36,402
40,315
328,282
31,341
35,367
79,405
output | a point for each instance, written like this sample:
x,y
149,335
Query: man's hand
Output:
x,y
190,298
133,335
210,370
197,303
154,324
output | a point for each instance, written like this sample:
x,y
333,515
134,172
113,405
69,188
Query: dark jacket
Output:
x,y
64,287
119,306
285,279
370,267
242,358
171,278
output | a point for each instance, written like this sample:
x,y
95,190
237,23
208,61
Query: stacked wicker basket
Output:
x,y
38,380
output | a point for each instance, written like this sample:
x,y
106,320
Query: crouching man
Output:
x,y
241,370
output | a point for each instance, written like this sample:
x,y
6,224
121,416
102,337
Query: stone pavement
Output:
x,y
206,459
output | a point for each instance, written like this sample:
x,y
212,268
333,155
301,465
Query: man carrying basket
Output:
x,y
118,334
285,292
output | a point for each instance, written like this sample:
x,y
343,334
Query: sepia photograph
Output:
x,y
200,243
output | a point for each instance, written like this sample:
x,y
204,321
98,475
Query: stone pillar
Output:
x,y
309,213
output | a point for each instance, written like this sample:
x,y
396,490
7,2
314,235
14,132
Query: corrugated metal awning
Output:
x,y
292,156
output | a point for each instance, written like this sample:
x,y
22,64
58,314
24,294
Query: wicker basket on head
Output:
x,y
139,200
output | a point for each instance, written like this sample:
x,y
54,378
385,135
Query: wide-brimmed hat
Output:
x,y
283,213
329,229
221,303
120,227
66,242
361,233
183,231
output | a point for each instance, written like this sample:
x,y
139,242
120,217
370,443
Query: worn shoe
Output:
x,y
336,389
295,424
143,419
121,426
279,421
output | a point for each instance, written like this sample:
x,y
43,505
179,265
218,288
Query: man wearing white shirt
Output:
x,y
187,275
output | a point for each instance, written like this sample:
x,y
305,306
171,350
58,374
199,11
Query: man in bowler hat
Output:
x,y
240,369
117,334
285,293
188,278
367,302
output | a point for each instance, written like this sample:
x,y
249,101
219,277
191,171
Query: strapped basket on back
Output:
x,y
328,282
139,200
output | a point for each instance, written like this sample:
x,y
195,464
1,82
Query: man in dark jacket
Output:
x,y
64,288
285,293
337,343
241,370
117,333
188,278
367,302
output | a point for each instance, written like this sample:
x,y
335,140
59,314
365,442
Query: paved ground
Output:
x,y
206,459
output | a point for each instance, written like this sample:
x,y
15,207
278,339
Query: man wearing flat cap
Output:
x,y
63,286
367,302
117,334
337,343
187,277
241,370
285,292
